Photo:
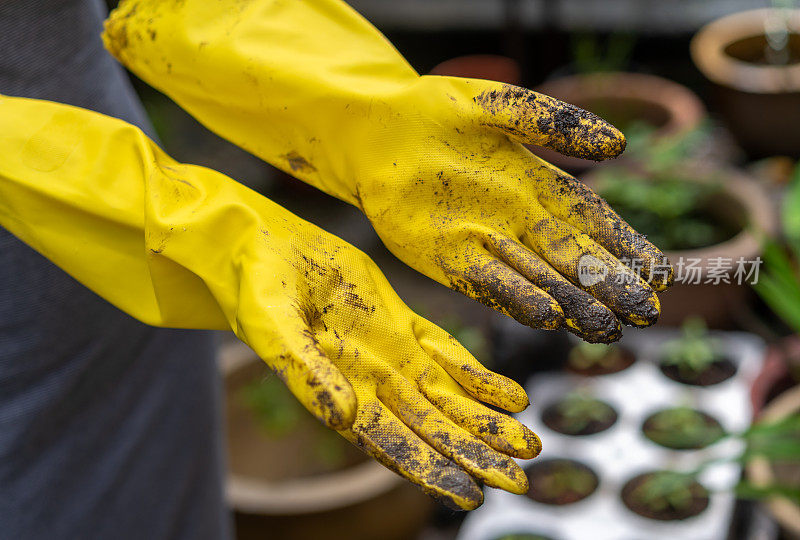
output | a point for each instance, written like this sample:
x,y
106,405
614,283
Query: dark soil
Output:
x,y
560,481
698,504
753,50
677,441
719,371
622,359
555,420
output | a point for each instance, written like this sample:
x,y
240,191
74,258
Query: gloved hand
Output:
x,y
434,162
184,246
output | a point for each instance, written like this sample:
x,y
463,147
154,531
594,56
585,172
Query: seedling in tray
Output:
x,y
579,414
560,481
682,428
695,358
665,495
598,359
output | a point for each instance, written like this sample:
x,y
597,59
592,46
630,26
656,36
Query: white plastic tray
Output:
x,y
622,451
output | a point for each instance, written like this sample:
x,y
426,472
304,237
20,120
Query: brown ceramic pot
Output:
x,y
621,98
481,66
743,201
760,102
359,501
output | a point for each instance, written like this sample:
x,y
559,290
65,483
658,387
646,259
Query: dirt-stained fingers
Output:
x,y
481,383
529,117
473,455
500,431
314,380
575,203
584,315
588,265
383,436
498,286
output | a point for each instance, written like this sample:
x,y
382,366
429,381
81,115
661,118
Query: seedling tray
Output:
x,y
622,451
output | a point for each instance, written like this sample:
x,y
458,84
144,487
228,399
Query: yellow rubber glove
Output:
x,y
183,246
434,162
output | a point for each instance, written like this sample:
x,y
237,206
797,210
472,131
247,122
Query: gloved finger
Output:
x,y
476,457
533,118
481,383
575,203
577,257
315,381
379,433
500,431
492,283
584,315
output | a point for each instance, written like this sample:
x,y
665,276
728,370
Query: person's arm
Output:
x,y
184,246
434,162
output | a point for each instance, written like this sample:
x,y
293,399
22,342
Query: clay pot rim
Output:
x,y
708,53
758,209
300,495
684,108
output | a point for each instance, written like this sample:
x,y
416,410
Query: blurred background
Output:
x,y
699,414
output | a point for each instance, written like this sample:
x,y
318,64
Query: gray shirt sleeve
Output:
x,y
108,428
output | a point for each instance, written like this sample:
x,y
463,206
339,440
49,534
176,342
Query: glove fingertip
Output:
x,y
337,407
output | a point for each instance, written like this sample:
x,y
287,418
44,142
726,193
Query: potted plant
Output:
x,y
779,287
579,414
560,481
768,467
695,358
592,359
291,477
665,495
682,428
601,86
753,60
705,217
481,66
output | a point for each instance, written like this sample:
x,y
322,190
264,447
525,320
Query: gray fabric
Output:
x,y
108,428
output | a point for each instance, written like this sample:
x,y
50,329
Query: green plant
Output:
x,y
578,410
279,414
587,355
666,489
682,427
274,407
776,441
779,283
589,57
654,194
694,351
564,478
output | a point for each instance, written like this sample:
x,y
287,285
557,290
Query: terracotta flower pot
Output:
x,y
359,501
622,98
481,66
744,201
759,101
